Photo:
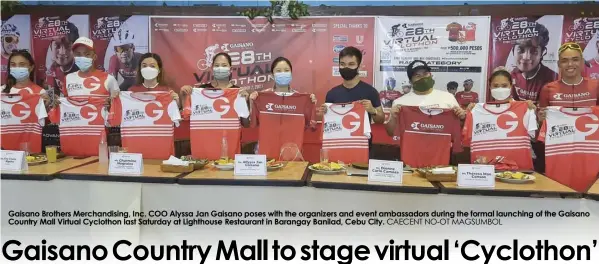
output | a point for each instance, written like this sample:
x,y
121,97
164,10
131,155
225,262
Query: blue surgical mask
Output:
x,y
20,73
84,63
221,73
283,78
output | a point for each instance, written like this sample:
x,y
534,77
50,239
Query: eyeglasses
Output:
x,y
124,48
569,45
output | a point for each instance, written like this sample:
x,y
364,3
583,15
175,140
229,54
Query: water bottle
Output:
x,y
224,148
103,149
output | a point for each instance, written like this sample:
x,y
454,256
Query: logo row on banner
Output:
x,y
456,48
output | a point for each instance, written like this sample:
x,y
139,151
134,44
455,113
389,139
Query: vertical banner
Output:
x,y
454,47
527,47
188,44
585,32
119,42
16,34
53,37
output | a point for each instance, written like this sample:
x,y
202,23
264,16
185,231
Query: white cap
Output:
x,y
83,41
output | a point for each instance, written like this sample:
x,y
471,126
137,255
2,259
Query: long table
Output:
x,y
594,191
47,171
99,172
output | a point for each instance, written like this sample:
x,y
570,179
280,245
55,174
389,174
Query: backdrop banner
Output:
x,y
585,32
119,42
187,45
527,47
16,34
454,47
52,38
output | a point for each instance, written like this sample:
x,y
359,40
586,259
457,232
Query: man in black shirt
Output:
x,y
353,89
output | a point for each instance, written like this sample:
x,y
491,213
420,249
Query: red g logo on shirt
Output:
x,y
508,122
155,111
92,84
351,121
222,105
90,114
588,125
23,111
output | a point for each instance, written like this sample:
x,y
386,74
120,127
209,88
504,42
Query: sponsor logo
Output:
x,y
525,94
483,128
159,25
70,117
319,30
134,114
298,30
330,127
226,47
559,131
515,28
238,30
508,122
202,110
209,52
218,25
351,121
238,25
562,96
320,25
90,113
336,71
425,126
588,125
278,107
221,105
340,38
338,48
200,25
6,114
200,30
582,30
336,60
410,36
180,30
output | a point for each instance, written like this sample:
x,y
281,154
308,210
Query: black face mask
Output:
x,y
348,73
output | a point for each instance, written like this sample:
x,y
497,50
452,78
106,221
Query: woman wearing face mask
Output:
x,y
150,76
501,88
20,79
221,71
281,70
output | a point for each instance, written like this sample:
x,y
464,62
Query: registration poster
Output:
x,y
455,48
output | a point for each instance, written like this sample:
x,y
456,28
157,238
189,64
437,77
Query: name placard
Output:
x,y
250,165
385,171
126,164
12,160
476,176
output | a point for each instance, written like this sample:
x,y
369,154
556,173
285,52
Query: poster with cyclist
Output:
x,y
16,35
585,32
119,42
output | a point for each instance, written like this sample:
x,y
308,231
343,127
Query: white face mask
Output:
x,y
501,93
149,73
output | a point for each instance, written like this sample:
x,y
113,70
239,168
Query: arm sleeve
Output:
x,y
375,99
40,110
543,132
241,107
255,113
456,134
112,86
367,128
530,122
544,96
173,112
328,98
187,105
116,112
54,115
467,131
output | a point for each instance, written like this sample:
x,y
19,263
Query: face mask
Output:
x,y
283,78
221,73
501,94
348,73
149,73
423,84
19,73
84,63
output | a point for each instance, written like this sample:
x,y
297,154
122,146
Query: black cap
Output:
x,y
415,66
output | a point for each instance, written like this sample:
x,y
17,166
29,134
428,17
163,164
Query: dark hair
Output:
x,y
222,54
280,59
73,34
10,80
542,38
452,85
351,52
503,73
160,77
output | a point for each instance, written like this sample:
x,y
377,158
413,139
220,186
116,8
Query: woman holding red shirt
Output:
x,y
150,76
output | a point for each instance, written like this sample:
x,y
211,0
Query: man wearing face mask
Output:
x,y
353,89
424,95
88,80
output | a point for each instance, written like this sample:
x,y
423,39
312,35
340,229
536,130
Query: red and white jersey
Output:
x,y
22,121
466,98
345,133
81,120
571,139
426,136
282,119
558,93
501,130
215,114
32,88
95,83
146,120
530,88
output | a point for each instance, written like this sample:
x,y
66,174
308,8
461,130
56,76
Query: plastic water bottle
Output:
x,y
224,148
103,149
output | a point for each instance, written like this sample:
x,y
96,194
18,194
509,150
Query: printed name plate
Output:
x,y
476,176
13,160
126,164
385,171
250,165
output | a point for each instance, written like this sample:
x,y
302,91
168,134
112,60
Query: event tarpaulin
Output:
x,y
119,42
527,47
312,44
16,34
585,32
53,37
455,48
